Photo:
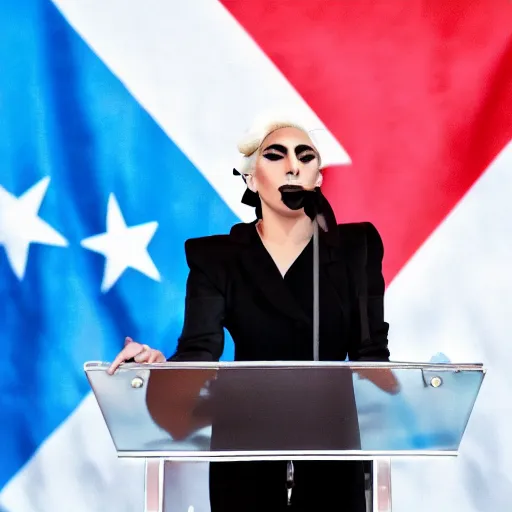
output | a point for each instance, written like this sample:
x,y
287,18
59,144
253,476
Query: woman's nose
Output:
x,y
294,167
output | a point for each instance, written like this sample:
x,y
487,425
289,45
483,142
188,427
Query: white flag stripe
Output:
x,y
454,297
186,59
77,469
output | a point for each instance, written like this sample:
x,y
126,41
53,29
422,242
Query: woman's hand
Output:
x,y
139,352
383,378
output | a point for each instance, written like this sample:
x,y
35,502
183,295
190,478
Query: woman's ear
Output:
x,y
319,180
249,181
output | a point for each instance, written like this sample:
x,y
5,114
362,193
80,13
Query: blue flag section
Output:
x,y
95,205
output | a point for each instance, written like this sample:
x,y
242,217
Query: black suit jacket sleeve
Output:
x,y
373,344
202,337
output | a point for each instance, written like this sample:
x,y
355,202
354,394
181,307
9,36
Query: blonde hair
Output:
x,y
251,142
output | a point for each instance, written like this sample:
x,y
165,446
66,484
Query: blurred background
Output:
x,y
118,129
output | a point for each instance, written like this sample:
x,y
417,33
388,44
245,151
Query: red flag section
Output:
x,y
418,93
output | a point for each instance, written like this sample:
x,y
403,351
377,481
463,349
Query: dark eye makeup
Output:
x,y
276,152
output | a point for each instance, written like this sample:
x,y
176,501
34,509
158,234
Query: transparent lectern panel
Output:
x,y
285,409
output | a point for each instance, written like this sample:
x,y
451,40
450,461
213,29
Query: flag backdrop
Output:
x,y
118,124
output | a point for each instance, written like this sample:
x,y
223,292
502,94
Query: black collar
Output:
x,y
245,233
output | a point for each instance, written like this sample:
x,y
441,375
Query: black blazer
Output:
x,y
230,286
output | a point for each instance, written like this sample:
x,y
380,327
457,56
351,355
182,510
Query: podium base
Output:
x,y
380,499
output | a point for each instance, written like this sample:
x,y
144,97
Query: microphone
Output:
x,y
296,197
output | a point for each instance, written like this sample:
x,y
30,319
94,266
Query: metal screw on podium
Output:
x,y
137,383
435,382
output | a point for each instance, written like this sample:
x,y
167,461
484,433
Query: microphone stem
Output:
x,y
316,296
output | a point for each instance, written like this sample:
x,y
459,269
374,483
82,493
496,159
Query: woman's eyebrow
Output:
x,y
282,149
277,147
303,147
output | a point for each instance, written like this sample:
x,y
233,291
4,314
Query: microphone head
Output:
x,y
293,196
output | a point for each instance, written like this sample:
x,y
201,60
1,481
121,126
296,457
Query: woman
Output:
x,y
257,282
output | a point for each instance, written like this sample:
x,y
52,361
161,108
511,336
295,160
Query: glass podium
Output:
x,y
229,411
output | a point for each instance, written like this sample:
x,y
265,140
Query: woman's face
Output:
x,y
286,156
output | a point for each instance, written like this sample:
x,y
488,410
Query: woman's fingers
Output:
x,y
131,349
153,357
383,378
150,355
140,353
143,355
156,357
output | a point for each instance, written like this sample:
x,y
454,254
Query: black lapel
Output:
x,y
260,272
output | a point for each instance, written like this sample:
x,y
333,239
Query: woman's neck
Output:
x,y
277,229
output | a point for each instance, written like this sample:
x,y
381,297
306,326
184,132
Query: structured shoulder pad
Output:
x,y
207,250
361,233
353,231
